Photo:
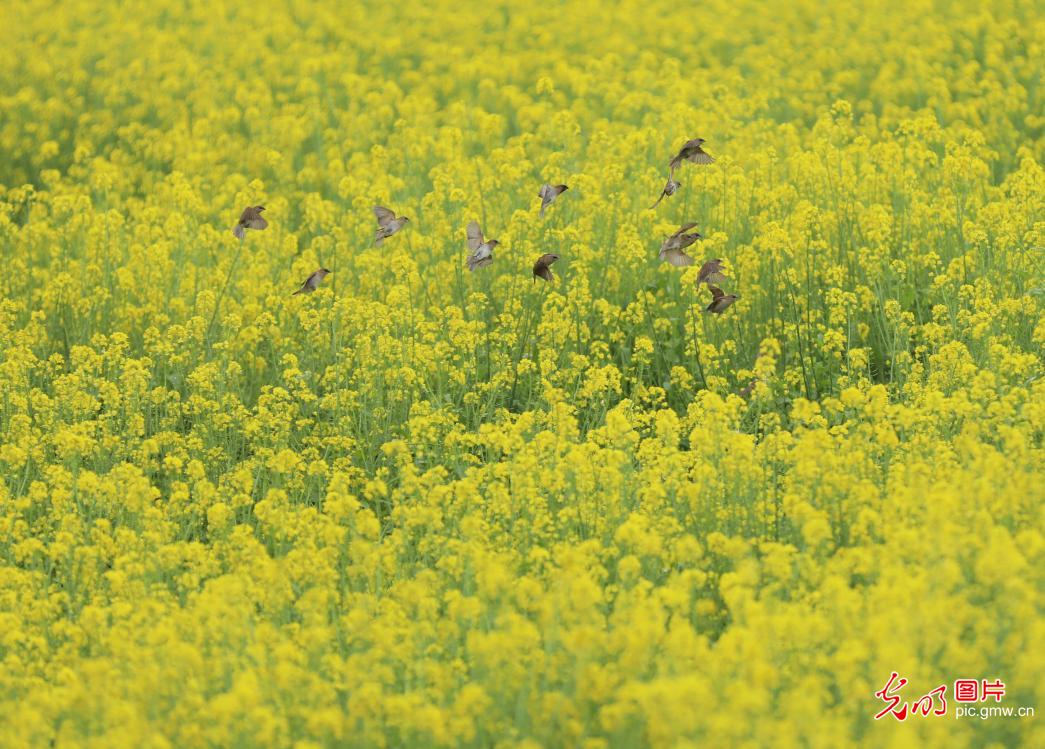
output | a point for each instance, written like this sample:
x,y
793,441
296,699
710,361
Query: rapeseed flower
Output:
x,y
421,506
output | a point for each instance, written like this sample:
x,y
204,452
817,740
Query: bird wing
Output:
x,y
707,270
248,214
384,215
480,259
678,258
257,222
475,236
716,293
701,157
683,228
547,195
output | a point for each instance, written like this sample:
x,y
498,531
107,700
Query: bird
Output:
x,y
691,151
481,253
711,272
719,300
669,189
548,194
388,224
312,282
541,268
673,249
250,219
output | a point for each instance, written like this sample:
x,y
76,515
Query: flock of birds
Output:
x,y
480,249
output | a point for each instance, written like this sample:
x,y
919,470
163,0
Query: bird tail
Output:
x,y
299,291
674,164
543,206
658,202
378,239
238,231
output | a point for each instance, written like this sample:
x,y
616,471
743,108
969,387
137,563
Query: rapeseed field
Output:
x,y
464,494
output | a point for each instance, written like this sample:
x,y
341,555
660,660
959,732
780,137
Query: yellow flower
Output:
x,y
426,506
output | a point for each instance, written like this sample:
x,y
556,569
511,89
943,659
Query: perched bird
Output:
x,y
250,219
711,272
548,194
669,189
542,267
719,300
691,151
387,224
312,282
673,249
481,253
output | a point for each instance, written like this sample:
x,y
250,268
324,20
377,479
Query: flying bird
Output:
x,y
673,249
669,189
548,194
542,269
250,219
719,300
711,272
387,224
312,282
481,251
691,151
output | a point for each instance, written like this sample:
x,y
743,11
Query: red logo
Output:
x,y
995,690
935,702
899,709
966,690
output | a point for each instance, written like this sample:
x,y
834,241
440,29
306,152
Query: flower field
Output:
x,y
426,506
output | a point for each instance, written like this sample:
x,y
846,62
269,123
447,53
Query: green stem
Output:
x,y
221,295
